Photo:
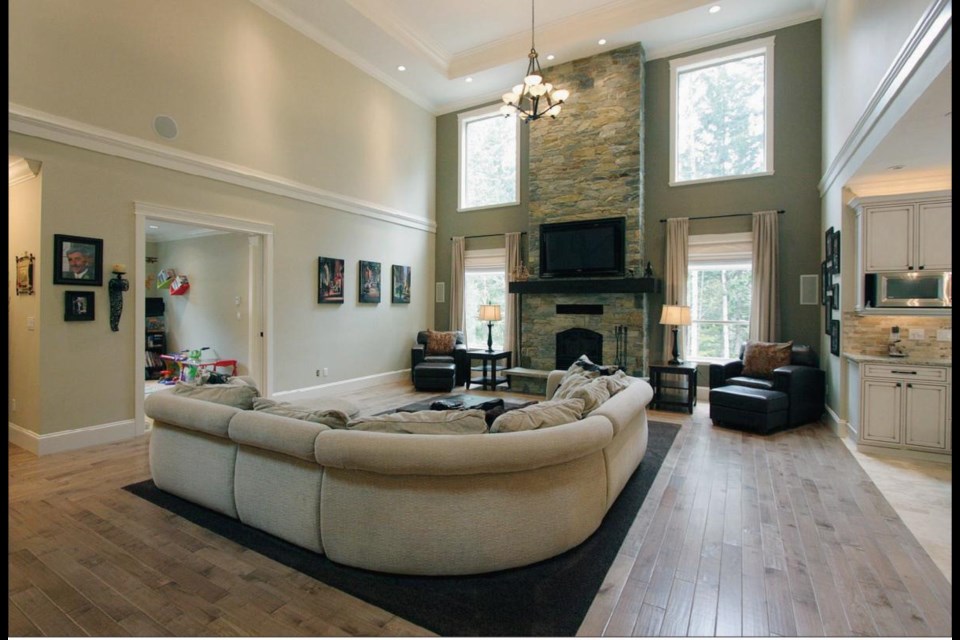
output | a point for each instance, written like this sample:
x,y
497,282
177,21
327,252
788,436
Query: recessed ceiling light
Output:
x,y
551,56
715,8
602,41
895,167
153,226
401,68
469,80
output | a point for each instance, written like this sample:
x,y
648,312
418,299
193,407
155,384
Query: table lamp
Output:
x,y
490,313
676,316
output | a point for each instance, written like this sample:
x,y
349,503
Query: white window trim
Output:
x,y
710,58
463,119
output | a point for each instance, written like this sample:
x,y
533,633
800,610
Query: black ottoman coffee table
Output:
x,y
434,376
757,410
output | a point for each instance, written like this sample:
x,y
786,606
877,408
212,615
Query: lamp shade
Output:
x,y
489,312
675,315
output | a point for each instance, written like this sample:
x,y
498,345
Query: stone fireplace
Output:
x,y
572,343
588,164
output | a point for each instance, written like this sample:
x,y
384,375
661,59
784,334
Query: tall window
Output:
x,y
489,159
719,284
721,114
484,283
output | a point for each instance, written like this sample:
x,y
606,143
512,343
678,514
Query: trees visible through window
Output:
x,y
722,113
489,160
719,291
484,283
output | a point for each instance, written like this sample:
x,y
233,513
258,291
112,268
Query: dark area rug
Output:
x,y
460,401
549,598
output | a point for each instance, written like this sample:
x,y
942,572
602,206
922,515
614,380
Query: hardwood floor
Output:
x,y
740,535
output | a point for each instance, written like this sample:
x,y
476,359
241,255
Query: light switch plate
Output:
x,y
916,334
944,335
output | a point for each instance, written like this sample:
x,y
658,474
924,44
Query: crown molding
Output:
x,y
932,26
20,171
396,26
44,125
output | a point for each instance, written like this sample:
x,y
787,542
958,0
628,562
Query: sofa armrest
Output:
x,y
720,371
461,359
553,381
805,387
167,407
279,434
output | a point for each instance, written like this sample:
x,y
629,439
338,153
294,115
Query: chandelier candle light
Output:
x,y
676,316
534,98
490,313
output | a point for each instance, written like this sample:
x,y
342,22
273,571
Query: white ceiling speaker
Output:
x,y
165,126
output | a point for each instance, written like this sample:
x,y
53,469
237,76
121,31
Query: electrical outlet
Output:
x,y
944,335
31,323
326,372
916,334
13,404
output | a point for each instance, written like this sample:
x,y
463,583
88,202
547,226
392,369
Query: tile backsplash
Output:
x,y
869,335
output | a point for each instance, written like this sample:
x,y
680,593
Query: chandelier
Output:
x,y
534,98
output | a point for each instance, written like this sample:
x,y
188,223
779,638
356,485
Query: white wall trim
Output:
x,y
342,386
44,125
934,23
20,171
71,439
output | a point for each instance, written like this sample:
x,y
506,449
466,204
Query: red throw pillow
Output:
x,y
440,343
761,358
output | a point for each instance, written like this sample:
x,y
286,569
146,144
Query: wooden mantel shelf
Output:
x,y
591,285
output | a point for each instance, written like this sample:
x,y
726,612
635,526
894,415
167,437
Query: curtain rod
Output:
x,y
491,235
726,215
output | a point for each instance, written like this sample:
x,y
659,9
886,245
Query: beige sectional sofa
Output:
x,y
403,503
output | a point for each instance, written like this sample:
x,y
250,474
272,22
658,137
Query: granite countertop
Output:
x,y
866,357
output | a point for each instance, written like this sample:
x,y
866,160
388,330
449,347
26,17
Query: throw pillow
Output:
x,y
761,358
617,382
330,417
537,416
240,395
330,404
440,343
424,422
593,392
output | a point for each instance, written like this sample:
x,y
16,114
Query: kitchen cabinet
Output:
x,y
906,407
905,232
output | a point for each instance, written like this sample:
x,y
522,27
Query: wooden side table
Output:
x,y
677,389
491,374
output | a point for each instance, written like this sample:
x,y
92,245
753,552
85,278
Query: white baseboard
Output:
x,y
71,439
343,386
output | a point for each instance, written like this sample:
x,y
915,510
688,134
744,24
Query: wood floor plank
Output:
x,y
676,617
649,622
18,624
44,614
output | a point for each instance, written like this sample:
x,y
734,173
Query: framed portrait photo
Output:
x,y
329,280
400,289
369,281
78,306
77,260
25,274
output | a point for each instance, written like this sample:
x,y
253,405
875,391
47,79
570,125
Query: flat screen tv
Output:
x,y
582,249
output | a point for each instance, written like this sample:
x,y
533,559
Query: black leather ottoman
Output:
x,y
757,410
434,376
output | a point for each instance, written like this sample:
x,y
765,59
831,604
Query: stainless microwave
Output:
x,y
912,289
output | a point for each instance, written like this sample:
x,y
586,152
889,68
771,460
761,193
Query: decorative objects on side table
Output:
x,y
675,316
117,285
329,280
78,306
25,274
401,284
77,260
489,313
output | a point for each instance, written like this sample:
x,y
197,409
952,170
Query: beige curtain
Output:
x,y
458,250
675,277
511,337
765,305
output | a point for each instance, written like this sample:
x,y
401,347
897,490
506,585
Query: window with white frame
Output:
x,y
721,113
484,283
489,165
719,290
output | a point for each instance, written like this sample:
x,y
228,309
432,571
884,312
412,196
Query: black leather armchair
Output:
x,y
802,380
460,358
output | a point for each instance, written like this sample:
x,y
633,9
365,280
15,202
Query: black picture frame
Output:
x,y
828,312
25,274
835,290
91,252
824,283
835,337
368,279
78,306
828,245
330,280
400,284
835,251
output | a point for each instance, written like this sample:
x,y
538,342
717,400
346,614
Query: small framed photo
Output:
x,y
828,312
369,277
836,251
77,260
25,274
836,295
835,337
828,245
329,280
401,284
824,283
77,306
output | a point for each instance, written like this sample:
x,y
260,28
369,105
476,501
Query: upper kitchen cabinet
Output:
x,y
905,232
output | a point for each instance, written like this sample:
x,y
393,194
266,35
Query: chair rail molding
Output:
x,y
39,124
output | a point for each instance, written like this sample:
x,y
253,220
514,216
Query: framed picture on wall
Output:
x,y
77,306
824,283
836,251
329,280
400,289
828,245
835,337
828,311
369,276
25,274
77,260
836,295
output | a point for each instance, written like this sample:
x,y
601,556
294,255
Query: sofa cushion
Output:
x,y
593,391
239,394
331,417
761,358
440,343
617,382
424,422
536,416
330,404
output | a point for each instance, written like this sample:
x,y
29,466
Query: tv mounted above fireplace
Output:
x,y
582,249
